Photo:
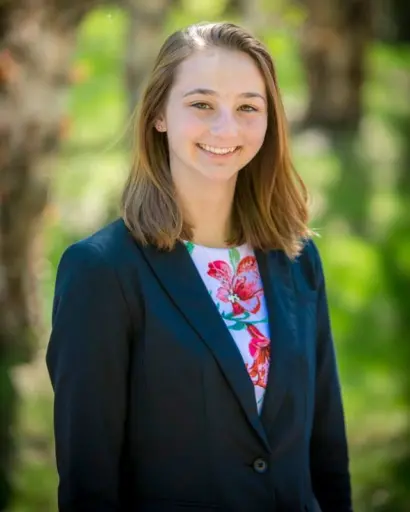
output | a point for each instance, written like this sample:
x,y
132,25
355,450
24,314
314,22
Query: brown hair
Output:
x,y
270,203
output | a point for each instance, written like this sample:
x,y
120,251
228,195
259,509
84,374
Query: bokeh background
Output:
x,y
70,75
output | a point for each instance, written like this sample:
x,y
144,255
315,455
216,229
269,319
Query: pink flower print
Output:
x,y
259,348
242,289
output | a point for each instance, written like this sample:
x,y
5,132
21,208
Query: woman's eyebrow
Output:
x,y
210,92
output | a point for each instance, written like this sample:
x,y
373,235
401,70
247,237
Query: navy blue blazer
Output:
x,y
154,409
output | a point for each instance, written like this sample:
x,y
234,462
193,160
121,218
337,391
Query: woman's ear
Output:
x,y
160,125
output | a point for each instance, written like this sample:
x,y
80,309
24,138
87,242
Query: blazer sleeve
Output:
x,y
328,447
87,360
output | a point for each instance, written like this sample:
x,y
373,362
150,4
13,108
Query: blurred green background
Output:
x,y
359,180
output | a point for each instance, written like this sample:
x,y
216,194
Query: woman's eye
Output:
x,y
248,108
205,106
201,106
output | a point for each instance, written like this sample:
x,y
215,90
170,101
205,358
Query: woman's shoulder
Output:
x,y
109,241
307,266
309,252
106,247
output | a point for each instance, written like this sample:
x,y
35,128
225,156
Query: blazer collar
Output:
x,y
180,279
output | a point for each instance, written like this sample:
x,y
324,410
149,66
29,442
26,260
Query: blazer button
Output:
x,y
260,465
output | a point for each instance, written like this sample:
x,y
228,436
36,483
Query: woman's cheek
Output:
x,y
256,129
193,127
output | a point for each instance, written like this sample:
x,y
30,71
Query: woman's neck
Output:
x,y
208,208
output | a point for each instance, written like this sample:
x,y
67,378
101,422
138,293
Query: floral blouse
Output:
x,y
233,281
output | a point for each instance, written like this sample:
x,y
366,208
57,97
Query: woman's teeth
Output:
x,y
218,151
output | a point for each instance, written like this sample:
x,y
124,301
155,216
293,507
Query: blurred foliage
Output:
x,y
363,292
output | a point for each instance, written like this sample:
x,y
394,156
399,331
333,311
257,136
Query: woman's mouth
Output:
x,y
218,151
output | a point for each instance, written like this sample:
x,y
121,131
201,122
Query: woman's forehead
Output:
x,y
219,70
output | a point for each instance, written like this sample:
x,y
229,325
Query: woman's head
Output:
x,y
212,111
215,117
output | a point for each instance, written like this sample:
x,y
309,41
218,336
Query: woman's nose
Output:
x,y
224,125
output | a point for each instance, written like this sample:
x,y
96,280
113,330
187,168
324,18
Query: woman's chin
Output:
x,y
220,175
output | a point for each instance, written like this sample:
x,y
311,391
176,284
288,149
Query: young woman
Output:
x,y
191,353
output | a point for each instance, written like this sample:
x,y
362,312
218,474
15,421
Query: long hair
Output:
x,y
270,202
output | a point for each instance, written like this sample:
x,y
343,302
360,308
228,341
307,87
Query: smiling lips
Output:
x,y
218,151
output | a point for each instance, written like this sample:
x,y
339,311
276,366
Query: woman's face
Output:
x,y
215,116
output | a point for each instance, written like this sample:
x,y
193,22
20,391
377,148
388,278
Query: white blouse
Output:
x,y
234,283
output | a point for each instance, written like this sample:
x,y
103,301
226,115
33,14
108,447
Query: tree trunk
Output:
x,y
333,45
145,34
36,43
143,40
393,21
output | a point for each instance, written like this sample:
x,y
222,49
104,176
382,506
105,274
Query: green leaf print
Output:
x,y
243,320
190,246
235,318
234,256
237,326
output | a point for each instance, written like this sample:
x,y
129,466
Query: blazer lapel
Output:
x,y
275,271
180,279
